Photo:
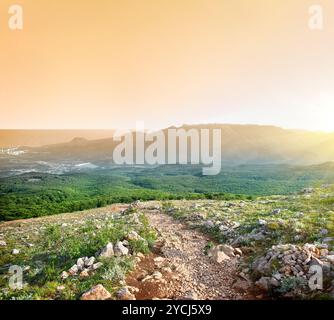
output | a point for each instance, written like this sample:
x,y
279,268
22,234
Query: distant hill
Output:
x,y
15,138
240,143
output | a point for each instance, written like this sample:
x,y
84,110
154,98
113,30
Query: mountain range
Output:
x,y
240,143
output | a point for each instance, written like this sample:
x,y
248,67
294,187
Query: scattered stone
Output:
x,y
208,224
64,275
242,285
274,282
328,240
277,276
262,222
133,235
80,264
292,262
3,244
125,294
84,274
107,251
159,260
98,292
190,295
89,262
323,232
73,270
133,289
157,275
228,250
137,260
276,211
307,190
140,255
257,236
120,249
330,258
217,255
298,237
238,251
15,251
263,283
97,265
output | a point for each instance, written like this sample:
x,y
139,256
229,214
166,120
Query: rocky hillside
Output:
x,y
272,247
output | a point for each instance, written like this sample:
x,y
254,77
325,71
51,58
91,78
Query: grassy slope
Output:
x,y
60,239
50,245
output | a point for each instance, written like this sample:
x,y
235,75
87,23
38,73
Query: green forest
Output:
x,y
38,194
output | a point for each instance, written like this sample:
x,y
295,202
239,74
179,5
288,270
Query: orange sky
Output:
x,y
107,63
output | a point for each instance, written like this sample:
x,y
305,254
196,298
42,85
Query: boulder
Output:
x,y
263,284
98,292
107,251
208,224
3,244
133,235
257,236
276,211
242,285
262,265
97,265
217,255
330,258
84,274
73,270
120,249
328,240
80,264
228,250
15,251
274,282
89,262
262,222
125,294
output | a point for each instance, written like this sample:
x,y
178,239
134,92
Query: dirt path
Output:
x,y
187,271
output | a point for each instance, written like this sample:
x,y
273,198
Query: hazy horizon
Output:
x,y
167,126
39,137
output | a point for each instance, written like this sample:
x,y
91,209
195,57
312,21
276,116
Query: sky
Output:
x,y
108,63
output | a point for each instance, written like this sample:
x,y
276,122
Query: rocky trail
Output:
x,y
180,268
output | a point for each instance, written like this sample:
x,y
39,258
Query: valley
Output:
x,y
74,225
68,186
